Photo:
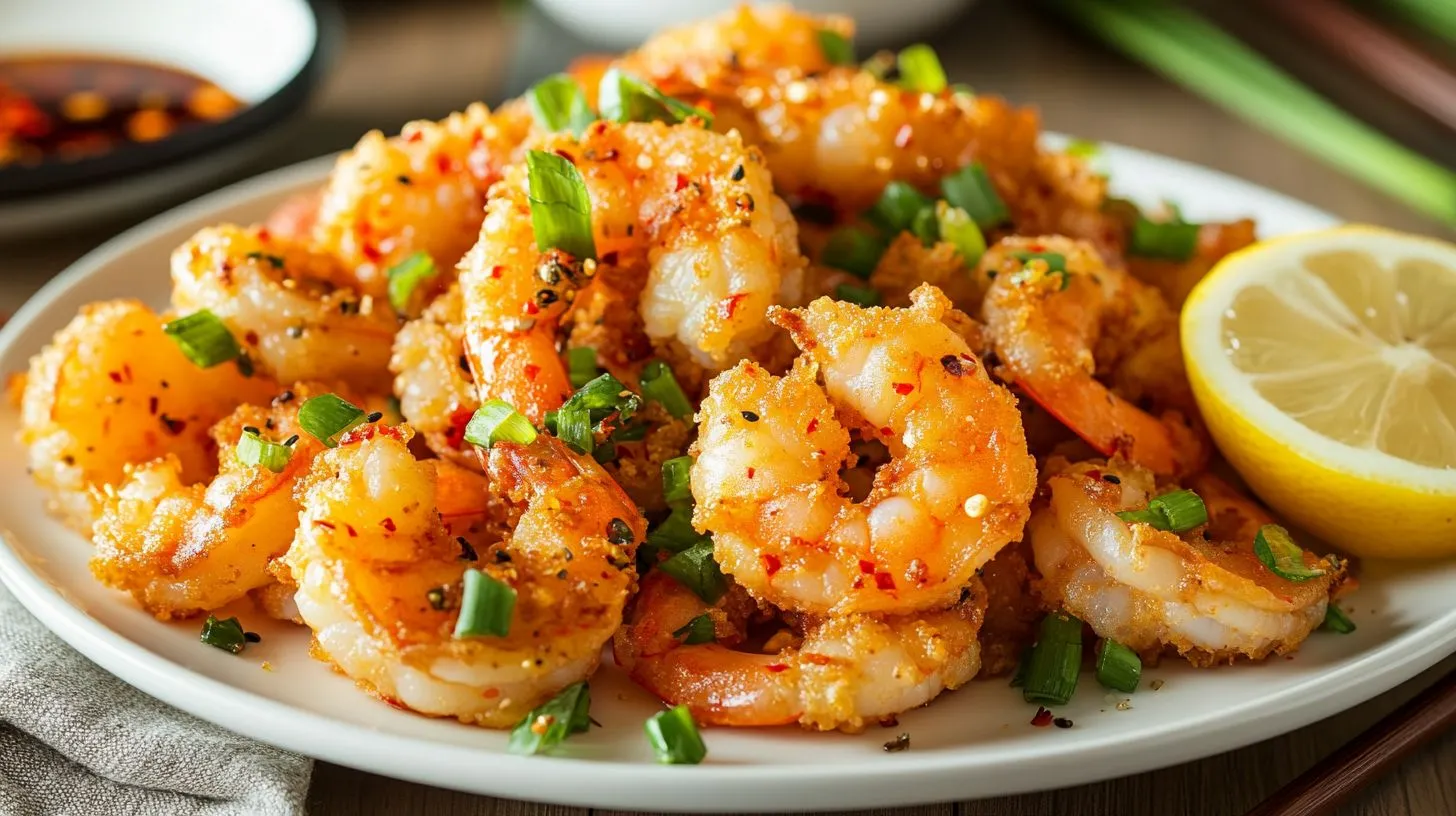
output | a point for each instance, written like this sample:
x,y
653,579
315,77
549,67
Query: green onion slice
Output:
x,y
696,569
1336,620
327,417
897,207
405,279
660,386
1083,149
558,103
675,738
854,250
485,606
1056,262
227,635
255,450
1118,667
677,487
926,226
696,631
627,98
837,47
1170,240
203,338
920,69
574,427
970,189
957,229
560,205
675,533
860,295
1056,658
496,421
549,724
1277,550
581,365
1177,511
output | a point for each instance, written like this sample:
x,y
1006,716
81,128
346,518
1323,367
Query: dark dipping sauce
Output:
x,y
65,108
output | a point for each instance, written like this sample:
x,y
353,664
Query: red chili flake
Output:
x,y
813,424
771,563
884,580
531,308
495,271
729,305
531,370
388,524
415,136
751,471
114,375
682,182
1094,474
887,431
1036,247
904,388
349,528
1043,718
563,154
867,567
776,667
902,136
372,253
152,405
325,524
126,371
455,434
490,693
264,235
444,163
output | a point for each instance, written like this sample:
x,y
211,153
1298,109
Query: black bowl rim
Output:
x,y
19,183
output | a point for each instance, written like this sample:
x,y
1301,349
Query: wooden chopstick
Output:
x,y
1332,780
1398,66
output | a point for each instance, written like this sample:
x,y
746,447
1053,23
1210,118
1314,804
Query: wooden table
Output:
x,y
430,56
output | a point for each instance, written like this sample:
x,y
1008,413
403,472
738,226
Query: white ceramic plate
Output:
x,y
975,742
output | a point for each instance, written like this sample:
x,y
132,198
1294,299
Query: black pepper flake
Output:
x,y
467,552
245,364
464,363
1110,479
374,417
291,441
550,272
619,532
502,557
252,637
1062,722
403,179
899,743
561,574
436,597
284,398
956,365
738,173
749,415
546,297
294,332
173,426
348,307
268,423
744,202
251,429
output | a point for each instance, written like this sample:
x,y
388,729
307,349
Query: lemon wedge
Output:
x,y
1325,367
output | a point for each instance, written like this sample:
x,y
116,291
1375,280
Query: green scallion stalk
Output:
x,y
327,417
1336,620
660,386
486,605
1056,262
558,103
254,450
838,50
227,635
960,231
549,724
1183,509
496,421
677,486
203,338
696,631
675,533
897,207
920,69
854,250
1118,667
926,226
859,295
1277,550
970,189
405,279
1056,658
627,98
574,427
696,569
581,365
560,205
1168,240
674,737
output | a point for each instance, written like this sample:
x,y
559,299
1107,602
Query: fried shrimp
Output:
x,y
421,191
1204,593
113,390
1057,331
432,378
684,216
844,673
180,548
291,309
770,449
380,577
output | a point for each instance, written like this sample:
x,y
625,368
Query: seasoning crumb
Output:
x,y
1156,684
252,637
900,743
266,666
1124,705
1062,722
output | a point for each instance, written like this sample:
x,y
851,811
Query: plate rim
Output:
x,y
906,779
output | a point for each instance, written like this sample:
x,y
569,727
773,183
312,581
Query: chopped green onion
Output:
x,y
696,631
696,569
677,487
897,207
1148,516
405,278
675,738
1118,667
558,103
837,47
549,724
560,205
1056,262
1177,511
255,450
581,365
926,226
626,98
630,432
603,397
496,421
675,533
660,386
327,417
1056,658
485,606
1277,550
227,635
957,229
574,427
1018,678
860,295
854,250
920,69
971,189
1170,240
1083,149
1336,620
203,338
